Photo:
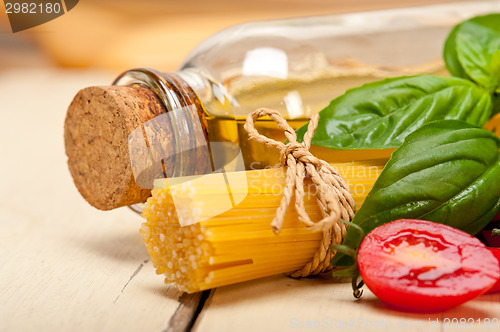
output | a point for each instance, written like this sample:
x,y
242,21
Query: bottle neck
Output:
x,y
175,92
173,144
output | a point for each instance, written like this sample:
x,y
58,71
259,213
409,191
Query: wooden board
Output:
x,y
160,34
65,266
281,303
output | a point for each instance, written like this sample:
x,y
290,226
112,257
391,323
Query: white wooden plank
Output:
x,y
64,266
280,303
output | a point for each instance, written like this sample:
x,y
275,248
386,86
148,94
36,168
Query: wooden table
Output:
x,y
65,266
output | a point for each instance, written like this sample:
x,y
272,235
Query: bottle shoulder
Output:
x,y
369,37
299,65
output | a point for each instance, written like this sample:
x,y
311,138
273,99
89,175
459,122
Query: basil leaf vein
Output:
x,y
469,50
478,50
447,171
381,114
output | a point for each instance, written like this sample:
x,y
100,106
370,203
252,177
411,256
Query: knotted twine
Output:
x,y
333,195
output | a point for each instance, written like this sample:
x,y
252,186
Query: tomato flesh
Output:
x,y
423,266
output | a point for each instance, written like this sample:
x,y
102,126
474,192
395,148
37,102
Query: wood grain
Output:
x,y
160,34
281,303
65,266
186,314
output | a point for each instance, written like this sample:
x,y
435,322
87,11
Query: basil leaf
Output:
x,y
380,114
450,56
495,98
447,172
495,68
478,50
451,59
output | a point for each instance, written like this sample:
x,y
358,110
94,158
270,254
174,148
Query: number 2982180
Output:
x,y
32,8
470,323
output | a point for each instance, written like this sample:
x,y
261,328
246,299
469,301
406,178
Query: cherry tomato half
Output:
x,y
496,287
423,266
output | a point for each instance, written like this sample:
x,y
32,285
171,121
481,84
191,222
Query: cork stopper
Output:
x,y
98,124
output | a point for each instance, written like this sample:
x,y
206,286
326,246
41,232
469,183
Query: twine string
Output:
x,y
332,192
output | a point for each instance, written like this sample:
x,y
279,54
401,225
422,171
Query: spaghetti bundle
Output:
x,y
238,244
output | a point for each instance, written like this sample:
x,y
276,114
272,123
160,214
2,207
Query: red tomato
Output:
x,y
423,266
496,287
497,217
490,240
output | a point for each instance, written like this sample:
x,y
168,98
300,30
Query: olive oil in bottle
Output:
x,y
296,66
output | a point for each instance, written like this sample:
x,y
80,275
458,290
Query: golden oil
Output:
x,y
296,101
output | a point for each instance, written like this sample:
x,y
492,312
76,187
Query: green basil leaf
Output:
x,y
495,68
478,50
496,103
379,115
450,56
447,172
491,21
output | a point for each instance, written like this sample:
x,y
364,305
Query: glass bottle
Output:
x,y
296,66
